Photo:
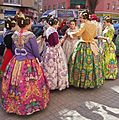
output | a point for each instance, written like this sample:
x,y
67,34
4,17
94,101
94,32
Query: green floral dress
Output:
x,y
85,69
110,60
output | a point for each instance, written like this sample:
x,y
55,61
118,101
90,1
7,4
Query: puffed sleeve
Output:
x,y
53,39
110,34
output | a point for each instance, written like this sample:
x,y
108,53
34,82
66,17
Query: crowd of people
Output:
x,y
84,57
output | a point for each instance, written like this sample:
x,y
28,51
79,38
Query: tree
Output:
x,y
92,5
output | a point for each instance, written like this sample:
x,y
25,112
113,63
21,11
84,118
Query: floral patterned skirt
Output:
x,y
68,48
55,67
85,69
24,87
110,61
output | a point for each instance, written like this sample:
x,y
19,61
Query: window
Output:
x,y
113,5
12,1
54,7
6,1
63,5
108,6
44,8
49,7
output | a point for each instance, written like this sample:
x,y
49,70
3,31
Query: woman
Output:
x,y
54,62
10,25
85,67
24,86
69,43
109,57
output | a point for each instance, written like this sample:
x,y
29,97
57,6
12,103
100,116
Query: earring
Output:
x,y
22,22
7,25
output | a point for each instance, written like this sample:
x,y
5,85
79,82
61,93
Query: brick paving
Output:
x,y
78,104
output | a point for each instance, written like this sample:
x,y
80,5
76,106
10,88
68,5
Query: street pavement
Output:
x,y
78,104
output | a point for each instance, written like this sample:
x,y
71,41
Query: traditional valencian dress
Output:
x,y
110,61
54,62
24,86
69,43
8,51
85,67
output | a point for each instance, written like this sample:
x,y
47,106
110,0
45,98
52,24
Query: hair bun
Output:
x,y
85,14
9,23
108,19
22,20
53,21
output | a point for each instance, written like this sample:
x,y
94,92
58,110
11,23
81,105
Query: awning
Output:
x,y
48,12
77,2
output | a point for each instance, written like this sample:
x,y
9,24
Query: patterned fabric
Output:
x,y
69,44
24,87
98,27
85,69
8,53
110,61
6,58
117,45
55,67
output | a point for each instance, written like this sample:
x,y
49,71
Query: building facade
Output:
x,y
107,8
40,7
63,4
8,7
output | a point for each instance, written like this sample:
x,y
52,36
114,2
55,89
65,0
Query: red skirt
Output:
x,y
6,58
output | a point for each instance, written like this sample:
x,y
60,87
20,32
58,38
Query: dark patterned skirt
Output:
x,y
6,58
84,68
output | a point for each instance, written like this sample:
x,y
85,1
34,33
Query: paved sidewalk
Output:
x,y
78,104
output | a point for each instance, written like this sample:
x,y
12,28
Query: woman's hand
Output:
x,y
101,37
61,42
104,38
70,35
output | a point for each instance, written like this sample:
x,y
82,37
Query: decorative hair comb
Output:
x,y
13,21
21,15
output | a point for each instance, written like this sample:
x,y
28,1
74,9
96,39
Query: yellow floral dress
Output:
x,y
109,57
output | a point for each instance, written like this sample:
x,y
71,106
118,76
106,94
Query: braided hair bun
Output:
x,y
22,20
85,14
53,21
108,19
9,23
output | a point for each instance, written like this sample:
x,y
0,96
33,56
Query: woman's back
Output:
x,y
89,31
27,48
